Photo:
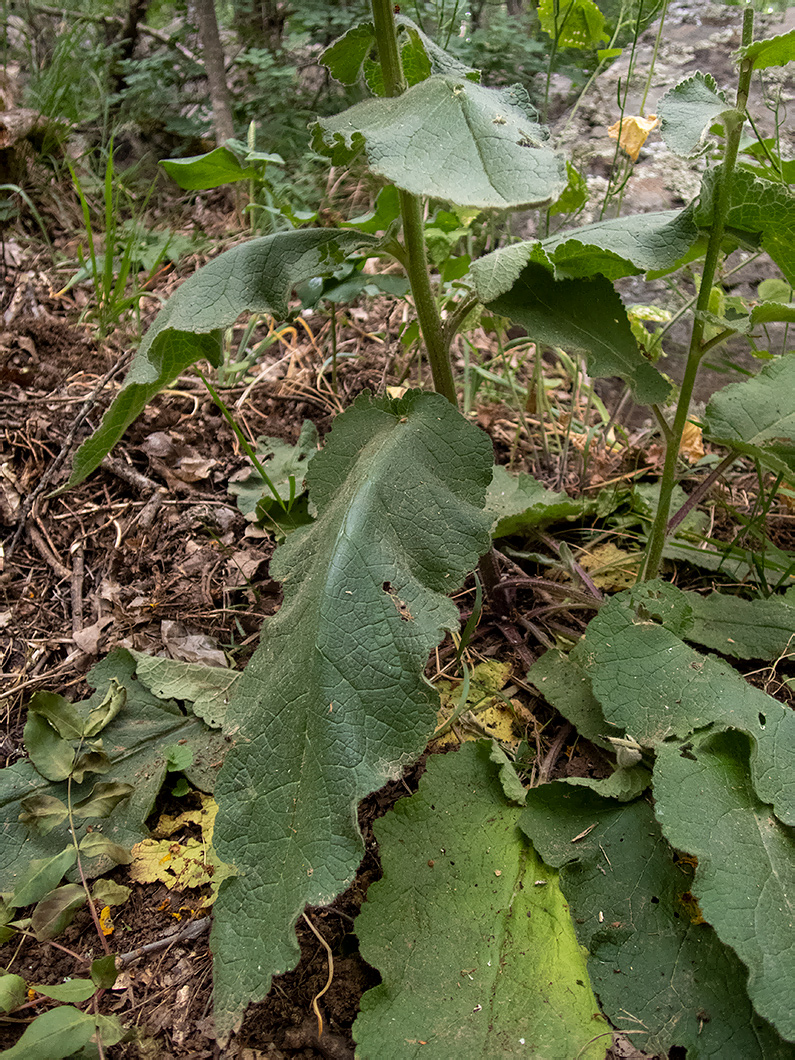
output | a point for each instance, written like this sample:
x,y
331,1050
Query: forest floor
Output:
x,y
152,553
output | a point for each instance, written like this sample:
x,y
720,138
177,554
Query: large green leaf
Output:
x,y
757,416
255,277
745,879
470,931
623,246
584,315
334,702
688,110
655,687
59,1033
658,974
574,23
448,138
760,211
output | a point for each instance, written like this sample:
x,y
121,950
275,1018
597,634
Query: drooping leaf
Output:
x,y
498,972
620,247
103,713
583,315
745,878
761,211
103,798
256,277
51,754
211,170
654,686
53,1035
775,51
757,416
334,702
657,972
448,138
54,913
207,688
43,812
59,712
688,110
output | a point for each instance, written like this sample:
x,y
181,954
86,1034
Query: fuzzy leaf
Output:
x,y
584,315
655,687
624,246
256,277
744,629
653,968
757,416
334,702
745,879
775,51
501,974
448,138
207,688
520,503
762,211
687,111
345,57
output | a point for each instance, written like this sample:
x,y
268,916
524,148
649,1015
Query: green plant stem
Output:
x,y
244,443
734,126
411,210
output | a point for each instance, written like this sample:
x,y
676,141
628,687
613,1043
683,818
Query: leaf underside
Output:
x,y
334,702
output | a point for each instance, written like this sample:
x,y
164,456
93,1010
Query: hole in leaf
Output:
x,y
655,900
762,719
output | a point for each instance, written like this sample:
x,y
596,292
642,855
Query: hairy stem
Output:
x,y
734,126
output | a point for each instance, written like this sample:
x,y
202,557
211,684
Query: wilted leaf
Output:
x,y
51,754
653,969
623,246
104,972
102,799
519,504
632,133
334,702
448,138
498,974
104,713
54,913
43,812
94,843
108,892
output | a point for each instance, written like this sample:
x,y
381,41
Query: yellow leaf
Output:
x,y
631,133
692,447
106,921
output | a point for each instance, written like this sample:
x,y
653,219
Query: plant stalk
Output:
x,y
411,210
734,125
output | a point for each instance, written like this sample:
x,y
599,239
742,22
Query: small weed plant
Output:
x,y
506,910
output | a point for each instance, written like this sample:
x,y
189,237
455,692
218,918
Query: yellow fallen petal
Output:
x,y
106,921
692,447
631,133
